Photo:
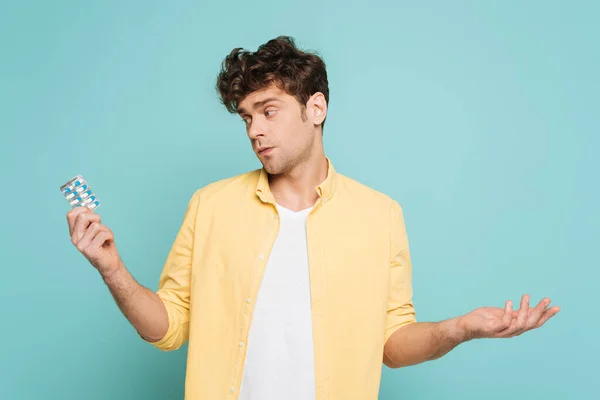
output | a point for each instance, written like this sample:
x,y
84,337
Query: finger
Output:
x,y
502,325
536,313
549,313
521,323
515,313
102,237
508,313
73,213
89,235
72,216
520,320
82,221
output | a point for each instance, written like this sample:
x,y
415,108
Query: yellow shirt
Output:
x,y
360,279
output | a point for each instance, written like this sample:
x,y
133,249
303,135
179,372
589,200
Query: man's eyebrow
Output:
x,y
258,104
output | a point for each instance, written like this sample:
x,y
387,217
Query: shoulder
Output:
x,y
360,192
233,185
375,205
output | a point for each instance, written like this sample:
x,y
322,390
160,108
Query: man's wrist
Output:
x,y
462,332
456,330
109,274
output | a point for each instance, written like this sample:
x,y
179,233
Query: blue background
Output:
x,y
480,118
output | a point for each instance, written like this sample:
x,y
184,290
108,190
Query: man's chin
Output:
x,y
271,168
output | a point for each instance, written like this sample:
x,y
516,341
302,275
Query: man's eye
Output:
x,y
269,113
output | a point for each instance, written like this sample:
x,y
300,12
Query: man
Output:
x,y
292,281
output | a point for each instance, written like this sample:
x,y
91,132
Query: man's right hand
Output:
x,y
94,240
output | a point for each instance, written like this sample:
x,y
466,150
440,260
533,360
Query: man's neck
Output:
x,y
296,190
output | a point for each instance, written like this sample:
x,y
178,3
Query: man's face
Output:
x,y
280,132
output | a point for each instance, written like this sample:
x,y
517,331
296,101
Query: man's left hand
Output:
x,y
494,322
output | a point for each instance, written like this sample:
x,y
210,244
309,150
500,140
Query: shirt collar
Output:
x,y
325,189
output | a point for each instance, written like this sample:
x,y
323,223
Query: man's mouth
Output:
x,y
264,150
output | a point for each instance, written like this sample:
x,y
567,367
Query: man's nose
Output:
x,y
256,131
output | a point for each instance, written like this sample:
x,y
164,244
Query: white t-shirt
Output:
x,y
279,360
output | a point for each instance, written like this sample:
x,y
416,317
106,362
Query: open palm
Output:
x,y
494,322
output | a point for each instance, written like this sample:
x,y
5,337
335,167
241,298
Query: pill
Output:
x,y
78,193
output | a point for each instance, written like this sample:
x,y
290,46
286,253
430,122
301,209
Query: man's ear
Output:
x,y
316,108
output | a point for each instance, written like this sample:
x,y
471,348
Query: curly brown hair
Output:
x,y
300,73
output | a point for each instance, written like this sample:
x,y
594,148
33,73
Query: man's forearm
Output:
x,y
141,306
422,341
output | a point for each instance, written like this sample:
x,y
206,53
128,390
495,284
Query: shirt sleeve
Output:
x,y
174,283
400,308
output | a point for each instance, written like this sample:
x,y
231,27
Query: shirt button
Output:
x,y
241,344
261,256
275,216
232,389
248,300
